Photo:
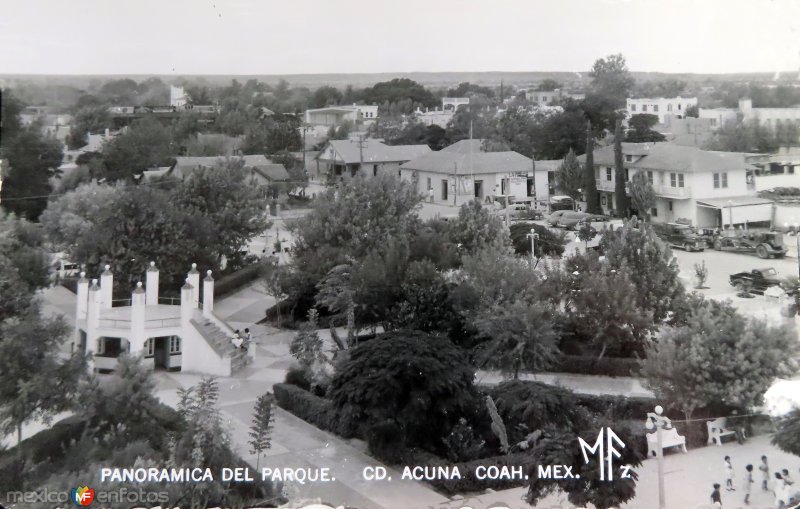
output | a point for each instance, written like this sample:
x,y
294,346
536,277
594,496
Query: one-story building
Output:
x,y
343,158
463,172
262,169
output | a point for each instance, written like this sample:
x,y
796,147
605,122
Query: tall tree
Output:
x,y
718,359
619,167
33,160
590,185
570,176
787,436
477,228
88,120
35,380
611,79
145,145
643,196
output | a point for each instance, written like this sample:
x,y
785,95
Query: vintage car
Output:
x,y
680,235
758,280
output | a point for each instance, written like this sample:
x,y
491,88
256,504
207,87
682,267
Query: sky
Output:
x,y
183,37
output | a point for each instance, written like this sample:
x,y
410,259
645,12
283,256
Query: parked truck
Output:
x,y
762,244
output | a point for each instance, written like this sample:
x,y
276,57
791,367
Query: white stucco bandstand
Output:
x,y
170,334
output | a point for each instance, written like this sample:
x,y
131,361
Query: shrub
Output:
x,y
298,376
236,280
549,243
385,442
312,409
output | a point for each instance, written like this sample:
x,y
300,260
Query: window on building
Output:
x,y
654,212
716,181
430,186
680,179
174,344
724,176
644,108
655,108
670,205
149,347
650,177
375,170
444,189
673,180
101,346
608,174
629,158
627,175
679,106
669,107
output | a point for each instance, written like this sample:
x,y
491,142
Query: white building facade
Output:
x,y
659,106
172,334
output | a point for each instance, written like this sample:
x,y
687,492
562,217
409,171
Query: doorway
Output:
x,y
479,189
161,352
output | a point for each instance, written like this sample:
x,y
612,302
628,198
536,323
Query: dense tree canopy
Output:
x,y
147,144
641,129
422,383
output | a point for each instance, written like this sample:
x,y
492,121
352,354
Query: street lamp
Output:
x,y
580,193
534,237
659,422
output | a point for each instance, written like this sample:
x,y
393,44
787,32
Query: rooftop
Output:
x,y
373,151
466,157
668,156
184,166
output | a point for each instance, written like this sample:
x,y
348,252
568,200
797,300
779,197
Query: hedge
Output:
x,y
312,409
236,280
606,366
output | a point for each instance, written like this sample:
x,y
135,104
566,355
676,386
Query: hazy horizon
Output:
x,y
312,37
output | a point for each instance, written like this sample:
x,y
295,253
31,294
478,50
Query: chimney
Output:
x,y
208,294
83,297
187,302
93,308
106,287
137,318
151,285
194,280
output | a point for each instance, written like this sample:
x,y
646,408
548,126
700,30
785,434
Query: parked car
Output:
x,y
570,220
553,218
762,244
561,203
519,211
680,235
759,280
709,235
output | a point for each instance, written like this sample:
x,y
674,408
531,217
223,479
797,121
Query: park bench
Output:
x,y
669,438
717,429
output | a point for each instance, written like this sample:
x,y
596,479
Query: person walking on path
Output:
x,y
748,480
764,467
729,474
716,498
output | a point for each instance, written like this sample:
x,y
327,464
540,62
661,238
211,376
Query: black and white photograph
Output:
x,y
373,254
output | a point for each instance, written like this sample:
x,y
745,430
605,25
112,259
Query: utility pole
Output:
x,y
360,152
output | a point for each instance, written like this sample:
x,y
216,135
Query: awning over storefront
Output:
x,y
740,209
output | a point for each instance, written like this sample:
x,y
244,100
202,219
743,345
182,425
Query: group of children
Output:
x,y
783,483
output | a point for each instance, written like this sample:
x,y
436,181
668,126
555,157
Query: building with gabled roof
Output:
x,y
701,187
264,170
342,158
463,172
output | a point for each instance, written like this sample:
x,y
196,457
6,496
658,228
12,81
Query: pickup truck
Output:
x,y
680,235
759,279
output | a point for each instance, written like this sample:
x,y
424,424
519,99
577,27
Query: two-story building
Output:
x,y
370,157
463,172
659,106
181,334
701,187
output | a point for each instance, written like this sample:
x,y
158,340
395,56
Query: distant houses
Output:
x,y
263,170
